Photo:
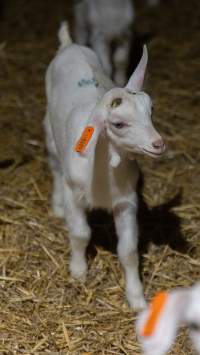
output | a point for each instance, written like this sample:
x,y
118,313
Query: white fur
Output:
x,y
79,94
102,22
182,309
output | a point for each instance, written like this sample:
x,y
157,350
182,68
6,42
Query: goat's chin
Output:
x,y
152,154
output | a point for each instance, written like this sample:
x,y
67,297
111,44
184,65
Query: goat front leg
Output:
x,y
79,234
127,232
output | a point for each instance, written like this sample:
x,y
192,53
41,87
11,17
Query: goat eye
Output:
x,y
116,102
119,125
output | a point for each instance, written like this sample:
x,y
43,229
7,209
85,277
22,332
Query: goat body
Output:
x,y
79,95
181,308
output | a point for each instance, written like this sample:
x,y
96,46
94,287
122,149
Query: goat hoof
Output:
x,y
137,302
58,211
78,271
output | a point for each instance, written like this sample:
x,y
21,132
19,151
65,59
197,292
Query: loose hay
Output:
x,y
42,309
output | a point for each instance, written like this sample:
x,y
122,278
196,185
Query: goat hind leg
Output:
x,y
54,163
79,234
57,196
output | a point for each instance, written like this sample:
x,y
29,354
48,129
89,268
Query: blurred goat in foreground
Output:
x,y
158,325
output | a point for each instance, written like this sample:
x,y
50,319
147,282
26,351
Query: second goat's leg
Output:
x,y
79,234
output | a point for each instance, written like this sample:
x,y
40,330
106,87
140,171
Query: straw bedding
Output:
x,y
43,310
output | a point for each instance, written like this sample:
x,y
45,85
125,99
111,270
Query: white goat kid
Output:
x,y
181,307
80,95
106,26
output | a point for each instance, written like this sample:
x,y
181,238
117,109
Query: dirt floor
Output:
x,y
43,310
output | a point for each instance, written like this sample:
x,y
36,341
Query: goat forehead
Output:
x,y
143,100
138,101
140,106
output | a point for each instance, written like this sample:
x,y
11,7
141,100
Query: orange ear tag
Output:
x,y
156,307
84,139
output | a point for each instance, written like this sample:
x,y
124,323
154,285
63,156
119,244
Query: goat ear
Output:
x,y
89,136
98,124
136,80
165,324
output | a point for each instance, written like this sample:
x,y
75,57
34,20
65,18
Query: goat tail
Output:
x,y
64,35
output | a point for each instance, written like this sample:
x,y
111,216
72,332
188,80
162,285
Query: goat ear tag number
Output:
x,y
156,307
84,139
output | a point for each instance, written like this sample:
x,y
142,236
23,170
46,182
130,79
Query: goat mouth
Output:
x,y
152,154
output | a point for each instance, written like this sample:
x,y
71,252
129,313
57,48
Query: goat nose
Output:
x,y
158,144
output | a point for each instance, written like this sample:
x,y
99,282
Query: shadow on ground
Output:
x,y
158,225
